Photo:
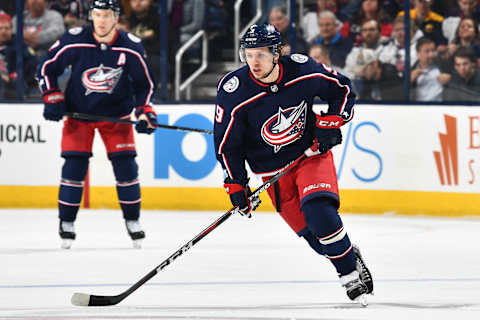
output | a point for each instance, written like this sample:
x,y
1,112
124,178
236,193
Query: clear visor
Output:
x,y
100,12
256,54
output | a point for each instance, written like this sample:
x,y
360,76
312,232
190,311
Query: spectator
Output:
x,y
394,51
380,81
145,24
267,6
371,39
74,12
319,53
464,9
215,17
125,8
192,20
8,66
279,19
429,22
369,10
426,79
41,26
338,46
466,36
9,7
310,19
465,82
217,27
123,23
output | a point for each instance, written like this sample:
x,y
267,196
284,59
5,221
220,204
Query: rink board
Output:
x,y
400,159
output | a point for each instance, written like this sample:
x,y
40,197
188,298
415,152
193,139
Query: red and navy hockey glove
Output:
x,y
54,105
327,134
147,119
239,193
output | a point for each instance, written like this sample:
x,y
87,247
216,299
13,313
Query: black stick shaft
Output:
x,y
94,117
95,300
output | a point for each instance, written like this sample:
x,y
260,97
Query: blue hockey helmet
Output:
x,y
258,36
106,5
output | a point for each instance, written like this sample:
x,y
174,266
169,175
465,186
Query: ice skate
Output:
x,y
356,288
135,232
67,234
363,271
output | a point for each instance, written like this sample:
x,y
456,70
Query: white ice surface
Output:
x,y
424,268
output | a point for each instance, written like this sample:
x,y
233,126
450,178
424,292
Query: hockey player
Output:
x,y
109,77
264,117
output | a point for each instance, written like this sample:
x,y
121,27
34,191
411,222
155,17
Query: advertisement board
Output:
x,y
406,159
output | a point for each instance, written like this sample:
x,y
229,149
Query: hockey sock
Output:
x,y
128,186
311,240
71,187
325,223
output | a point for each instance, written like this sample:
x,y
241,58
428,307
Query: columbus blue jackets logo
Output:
x,y
285,127
101,79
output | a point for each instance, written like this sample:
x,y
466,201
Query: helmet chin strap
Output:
x,y
269,72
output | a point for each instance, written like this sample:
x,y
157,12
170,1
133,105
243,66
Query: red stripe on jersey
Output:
x,y
55,57
145,69
230,124
280,75
321,75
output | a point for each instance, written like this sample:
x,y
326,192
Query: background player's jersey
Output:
x,y
107,78
271,125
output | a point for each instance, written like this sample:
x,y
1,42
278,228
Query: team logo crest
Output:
x,y
285,127
299,58
231,85
75,31
101,79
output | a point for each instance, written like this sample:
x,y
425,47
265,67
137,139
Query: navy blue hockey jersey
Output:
x,y
270,125
108,79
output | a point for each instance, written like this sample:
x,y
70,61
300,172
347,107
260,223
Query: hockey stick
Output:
x,y
94,117
83,299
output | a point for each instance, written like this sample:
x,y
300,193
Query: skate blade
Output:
x,y
362,299
137,244
66,243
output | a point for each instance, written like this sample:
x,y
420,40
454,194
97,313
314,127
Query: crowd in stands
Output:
x,y
363,39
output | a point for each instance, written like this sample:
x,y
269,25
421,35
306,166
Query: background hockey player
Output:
x,y
264,117
109,77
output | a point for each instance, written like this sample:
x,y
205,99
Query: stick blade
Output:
x,y
80,299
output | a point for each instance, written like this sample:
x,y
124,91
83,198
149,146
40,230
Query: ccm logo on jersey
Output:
x,y
329,122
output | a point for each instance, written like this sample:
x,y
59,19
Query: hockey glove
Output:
x,y
327,134
147,119
239,193
54,105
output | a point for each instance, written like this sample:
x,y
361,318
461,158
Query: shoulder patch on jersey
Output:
x,y
299,58
75,31
134,38
231,85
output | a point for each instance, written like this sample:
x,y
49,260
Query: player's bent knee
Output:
x,y
323,220
75,168
125,168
